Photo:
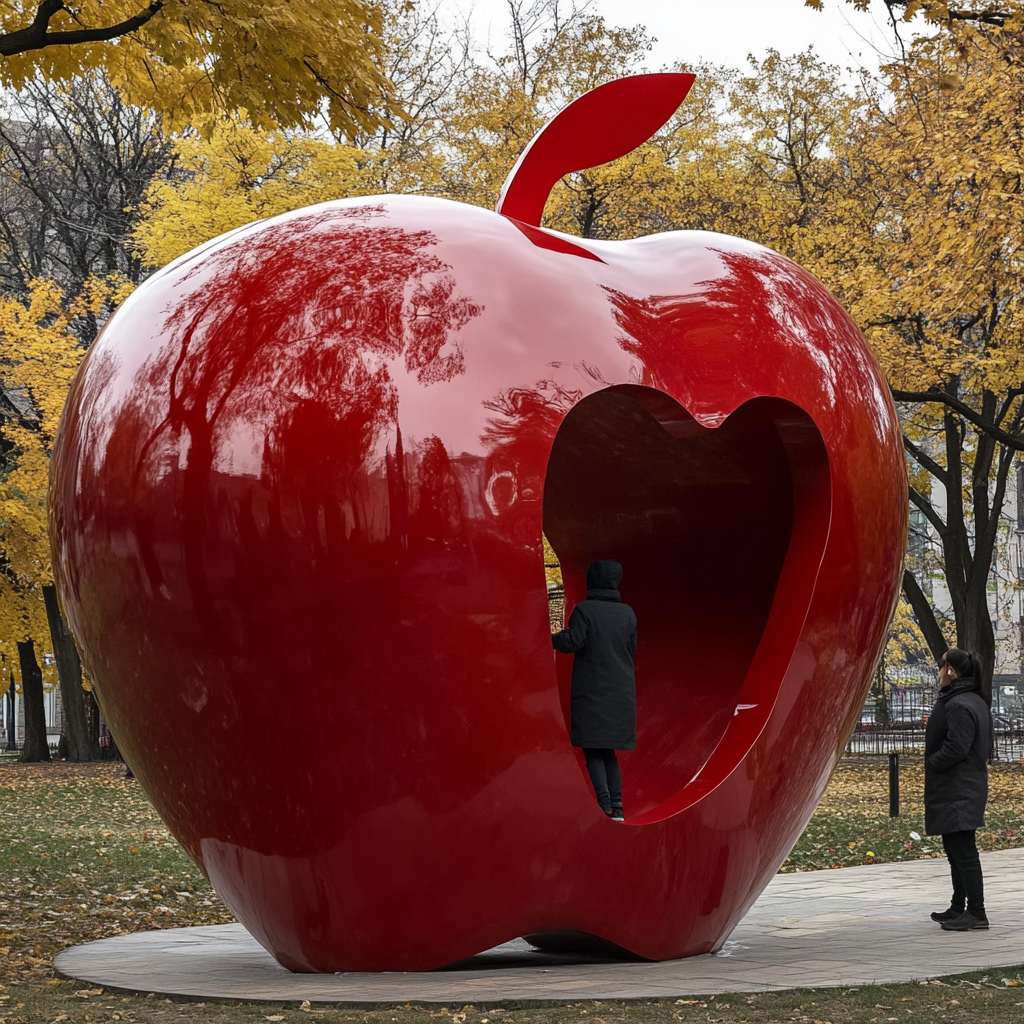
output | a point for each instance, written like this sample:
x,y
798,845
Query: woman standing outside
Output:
x,y
602,636
958,741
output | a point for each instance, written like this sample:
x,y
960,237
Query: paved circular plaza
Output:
x,y
852,926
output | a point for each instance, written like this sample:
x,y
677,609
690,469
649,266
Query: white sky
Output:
x,y
725,31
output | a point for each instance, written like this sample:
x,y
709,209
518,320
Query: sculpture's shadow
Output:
x,y
545,950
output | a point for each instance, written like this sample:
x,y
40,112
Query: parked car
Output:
x,y
908,724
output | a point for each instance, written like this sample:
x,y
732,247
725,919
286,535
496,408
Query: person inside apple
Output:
x,y
957,744
602,637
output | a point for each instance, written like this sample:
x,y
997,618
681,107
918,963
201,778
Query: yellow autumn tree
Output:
x,y
41,356
918,235
795,161
480,118
287,63
503,102
233,169
24,646
937,11
686,177
554,57
906,641
941,299
489,127
425,59
236,173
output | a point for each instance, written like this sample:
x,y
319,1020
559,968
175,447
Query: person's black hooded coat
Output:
x,y
957,744
602,636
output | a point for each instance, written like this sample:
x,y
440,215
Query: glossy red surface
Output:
x,y
298,499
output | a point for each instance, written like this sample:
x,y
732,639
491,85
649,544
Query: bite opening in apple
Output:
x,y
705,522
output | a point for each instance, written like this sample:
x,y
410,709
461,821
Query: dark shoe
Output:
x,y
617,814
947,915
968,921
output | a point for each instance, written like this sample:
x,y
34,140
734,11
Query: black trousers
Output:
x,y
603,766
965,867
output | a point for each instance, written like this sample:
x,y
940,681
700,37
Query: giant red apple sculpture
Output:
x,y
298,499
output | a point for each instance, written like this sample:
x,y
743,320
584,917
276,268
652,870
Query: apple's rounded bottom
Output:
x,y
562,946
295,966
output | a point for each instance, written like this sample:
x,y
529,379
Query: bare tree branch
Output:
x,y
37,35
925,461
989,15
925,616
969,414
918,499
75,164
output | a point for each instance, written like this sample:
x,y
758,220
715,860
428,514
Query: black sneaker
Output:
x,y
617,814
947,915
968,921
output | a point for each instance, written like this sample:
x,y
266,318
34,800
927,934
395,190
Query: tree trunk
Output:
x,y
974,630
976,635
35,748
12,723
968,536
926,620
92,716
75,739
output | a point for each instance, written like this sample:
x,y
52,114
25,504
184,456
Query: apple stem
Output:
x,y
602,125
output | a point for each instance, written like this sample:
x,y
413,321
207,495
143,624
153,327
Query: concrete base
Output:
x,y
854,926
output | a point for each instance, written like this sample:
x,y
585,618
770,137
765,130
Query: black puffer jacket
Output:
x,y
602,635
957,745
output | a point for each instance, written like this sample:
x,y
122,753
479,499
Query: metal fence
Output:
x,y
901,728
1008,745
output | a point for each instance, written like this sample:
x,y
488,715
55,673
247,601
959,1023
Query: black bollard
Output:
x,y
894,785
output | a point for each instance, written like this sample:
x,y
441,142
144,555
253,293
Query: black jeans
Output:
x,y
603,766
965,867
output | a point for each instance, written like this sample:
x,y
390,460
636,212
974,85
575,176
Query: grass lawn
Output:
x,y
84,856
852,823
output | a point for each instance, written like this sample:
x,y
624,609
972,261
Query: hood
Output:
x,y
604,575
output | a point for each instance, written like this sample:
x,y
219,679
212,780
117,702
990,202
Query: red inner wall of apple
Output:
x,y
701,520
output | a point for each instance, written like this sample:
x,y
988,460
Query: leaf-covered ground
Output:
x,y
84,856
852,825
996,998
